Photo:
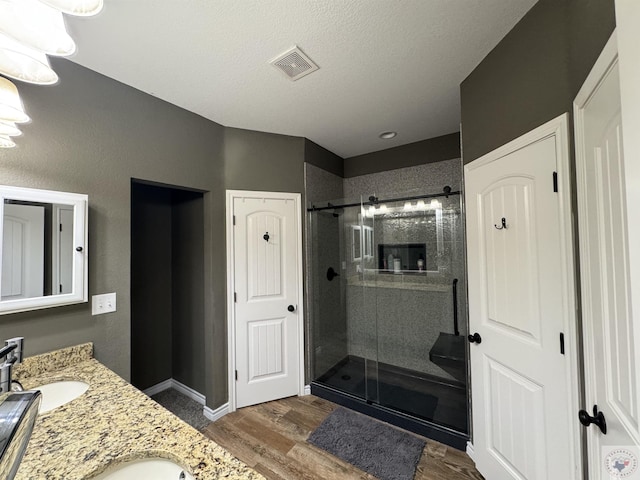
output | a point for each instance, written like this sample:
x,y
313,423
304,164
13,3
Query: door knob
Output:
x,y
597,419
291,308
331,274
475,338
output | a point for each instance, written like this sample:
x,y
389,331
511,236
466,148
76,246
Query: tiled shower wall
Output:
x,y
326,323
394,325
427,178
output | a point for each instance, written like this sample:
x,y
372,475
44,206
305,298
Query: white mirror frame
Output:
x,y
80,290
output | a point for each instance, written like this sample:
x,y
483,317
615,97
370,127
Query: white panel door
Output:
x,y
266,303
22,251
523,423
611,358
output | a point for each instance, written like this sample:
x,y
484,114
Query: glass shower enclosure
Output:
x,y
388,309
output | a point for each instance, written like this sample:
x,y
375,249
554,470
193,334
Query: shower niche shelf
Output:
x,y
409,255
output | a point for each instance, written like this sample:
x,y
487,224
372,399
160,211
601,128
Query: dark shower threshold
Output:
x,y
407,393
421,427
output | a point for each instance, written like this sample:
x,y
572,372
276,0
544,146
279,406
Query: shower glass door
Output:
x,y
390,329
420,354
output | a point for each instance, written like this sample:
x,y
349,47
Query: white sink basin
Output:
x,y
57,394
151,468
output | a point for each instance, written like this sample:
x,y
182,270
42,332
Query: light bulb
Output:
x,y
6,142
9,129
25,64
11,109
80,8
36,25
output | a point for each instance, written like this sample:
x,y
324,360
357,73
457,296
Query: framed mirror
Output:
x,y
44,249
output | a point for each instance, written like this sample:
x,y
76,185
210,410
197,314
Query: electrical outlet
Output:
x,y
104,303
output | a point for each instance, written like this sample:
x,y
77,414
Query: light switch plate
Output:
x,y
104,303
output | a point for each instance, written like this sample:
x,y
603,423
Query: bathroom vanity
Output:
x,y
109,424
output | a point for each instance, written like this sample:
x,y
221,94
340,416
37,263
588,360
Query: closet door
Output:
x,y
611,355
523,355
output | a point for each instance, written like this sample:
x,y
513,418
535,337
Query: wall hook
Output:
x,y
504,224
266,237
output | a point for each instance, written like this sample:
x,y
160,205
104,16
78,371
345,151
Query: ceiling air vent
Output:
x,y
294,64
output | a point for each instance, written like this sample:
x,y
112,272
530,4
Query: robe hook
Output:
x,y
504,224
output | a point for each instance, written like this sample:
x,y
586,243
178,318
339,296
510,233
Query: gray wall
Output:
x,y
150,285
187,289
431,150
91,134
322,158
263,161
534,73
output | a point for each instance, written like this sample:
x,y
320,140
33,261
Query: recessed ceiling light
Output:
x,y
387,135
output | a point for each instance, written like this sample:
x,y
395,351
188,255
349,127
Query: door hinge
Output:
x,y
555,182
235,297
60,288
234,219
236,375
562,343
60,227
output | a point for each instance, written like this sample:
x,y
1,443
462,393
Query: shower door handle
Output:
x,y
331,274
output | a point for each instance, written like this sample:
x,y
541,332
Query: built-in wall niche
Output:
x,y
403,258
44,249
400,237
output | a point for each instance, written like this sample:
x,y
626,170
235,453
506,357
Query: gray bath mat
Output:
x,y
370,445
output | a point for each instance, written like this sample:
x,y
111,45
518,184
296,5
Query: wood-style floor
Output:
x,y
271,438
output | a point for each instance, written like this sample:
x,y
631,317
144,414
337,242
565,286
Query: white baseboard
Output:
x,y
189,392
181,387
470,451
159,387
219,412
307,390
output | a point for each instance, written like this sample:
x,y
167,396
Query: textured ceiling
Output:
x,y
384,64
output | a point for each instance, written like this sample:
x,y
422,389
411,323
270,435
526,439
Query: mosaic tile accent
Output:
x,y
427,178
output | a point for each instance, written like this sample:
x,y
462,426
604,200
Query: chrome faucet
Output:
x,y
12,353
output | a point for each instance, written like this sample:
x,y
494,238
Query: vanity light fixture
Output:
x,y
29,31
11,109
36,26
24,63
387,135
78,8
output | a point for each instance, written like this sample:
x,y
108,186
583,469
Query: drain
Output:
x,y
346,377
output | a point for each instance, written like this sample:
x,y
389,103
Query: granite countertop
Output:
x,y
111,423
